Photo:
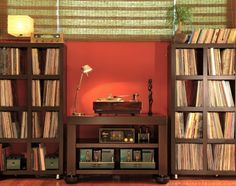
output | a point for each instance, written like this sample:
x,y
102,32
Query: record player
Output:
x,y
117,105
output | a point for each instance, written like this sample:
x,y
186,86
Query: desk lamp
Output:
x,y
85,69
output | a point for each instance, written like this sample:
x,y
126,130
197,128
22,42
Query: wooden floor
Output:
x,y
110,182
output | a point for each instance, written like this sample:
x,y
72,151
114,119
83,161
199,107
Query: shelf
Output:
x,y
13,108
203,89
182,77
221,141
29,172
26,45
201,109
222,77
46,77
13,77
221,109
118,120
117,145
119,172
13,140
46,108
189,109
201,46
205,172
188,140
45,140
22,91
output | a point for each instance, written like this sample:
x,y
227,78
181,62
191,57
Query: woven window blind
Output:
x,y
209,14
140,20
115,19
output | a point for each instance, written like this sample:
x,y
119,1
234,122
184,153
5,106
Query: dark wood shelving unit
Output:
x,y
203,75
26,76
74,123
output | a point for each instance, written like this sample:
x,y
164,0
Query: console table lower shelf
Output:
x,y
158,168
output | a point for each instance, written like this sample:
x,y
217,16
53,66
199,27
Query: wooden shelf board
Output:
x,y
116,171
117,145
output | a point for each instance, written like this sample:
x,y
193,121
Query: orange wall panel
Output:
x,y
119,68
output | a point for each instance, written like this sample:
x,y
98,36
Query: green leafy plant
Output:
x,y
179,16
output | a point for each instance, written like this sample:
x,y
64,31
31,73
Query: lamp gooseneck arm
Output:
x,y
76,95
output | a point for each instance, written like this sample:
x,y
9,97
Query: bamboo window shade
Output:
x,y
210,14
127,20
116,19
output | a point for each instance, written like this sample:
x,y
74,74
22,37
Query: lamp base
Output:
x,y
78,114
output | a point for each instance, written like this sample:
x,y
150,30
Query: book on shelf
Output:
x,y
199,94
38,157
50,125
35,159
232,36
214,129
220,94
228,61
202,36
183,98
35,62
36,127
24,125
13,127
192,129
221,62
51,93
221,157
189,156
214,125
229,125
223,35
215,35
210,35
36,93
186,62
52,61
42,153
6,93
194,125
179,125
4,153
9,125
194,36
9,61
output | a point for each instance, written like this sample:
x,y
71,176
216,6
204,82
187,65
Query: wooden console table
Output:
x,y
160,143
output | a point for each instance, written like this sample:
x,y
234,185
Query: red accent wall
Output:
x,y
119,68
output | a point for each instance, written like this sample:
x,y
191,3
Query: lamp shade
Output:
x,y
20,25
86,69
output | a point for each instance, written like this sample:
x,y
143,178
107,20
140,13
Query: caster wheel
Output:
x,y
71,179
162,179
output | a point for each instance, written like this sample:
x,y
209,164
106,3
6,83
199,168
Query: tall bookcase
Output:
x,y
202,109
31,108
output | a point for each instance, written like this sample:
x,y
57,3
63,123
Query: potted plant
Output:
x,y
179,15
